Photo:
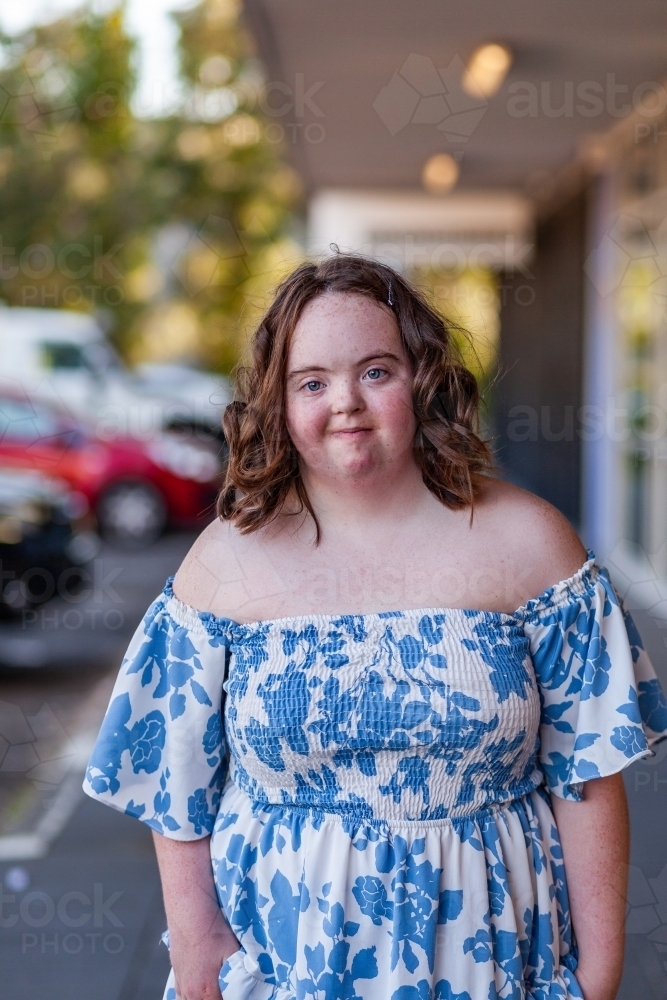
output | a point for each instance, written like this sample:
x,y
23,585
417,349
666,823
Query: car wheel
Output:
x,y
131,514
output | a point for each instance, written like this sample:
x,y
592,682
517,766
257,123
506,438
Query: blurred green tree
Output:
x,y
173,229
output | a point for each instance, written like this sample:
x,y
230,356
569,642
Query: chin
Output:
x,y
357,467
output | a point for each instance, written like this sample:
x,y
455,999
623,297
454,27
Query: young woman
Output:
x,y
413,791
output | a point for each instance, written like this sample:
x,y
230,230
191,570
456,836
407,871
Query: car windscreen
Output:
x,y
21,422
62,355
97,356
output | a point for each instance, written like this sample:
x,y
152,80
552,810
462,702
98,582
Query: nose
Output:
x,y
346,396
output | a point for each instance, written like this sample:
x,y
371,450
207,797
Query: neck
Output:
x,y
358,506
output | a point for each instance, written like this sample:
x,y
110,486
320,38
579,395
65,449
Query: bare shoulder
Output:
x,y
535,539
196,580
233,575
210,578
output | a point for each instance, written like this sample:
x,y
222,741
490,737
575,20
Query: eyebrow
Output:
x,y
362,361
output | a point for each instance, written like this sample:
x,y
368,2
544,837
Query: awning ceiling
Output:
x,y
381,108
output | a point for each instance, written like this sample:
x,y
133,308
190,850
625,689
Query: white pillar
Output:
x,y
602,484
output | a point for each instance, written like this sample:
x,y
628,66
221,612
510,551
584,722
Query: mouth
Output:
x,y
352,432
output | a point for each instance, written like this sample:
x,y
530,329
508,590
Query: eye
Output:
x,y
375,373
313,385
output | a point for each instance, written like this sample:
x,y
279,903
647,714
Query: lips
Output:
x,y
353,431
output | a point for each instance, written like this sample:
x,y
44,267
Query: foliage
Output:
x,y
173,228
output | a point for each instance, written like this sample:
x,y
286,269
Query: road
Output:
x,y
81,910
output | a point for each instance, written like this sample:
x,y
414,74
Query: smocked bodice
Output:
x,y
401,717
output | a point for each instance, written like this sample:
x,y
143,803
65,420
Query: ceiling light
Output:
x,y
486,70
440,173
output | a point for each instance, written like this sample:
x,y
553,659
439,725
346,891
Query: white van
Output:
x,y
64,356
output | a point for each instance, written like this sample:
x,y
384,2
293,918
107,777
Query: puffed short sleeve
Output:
x,y
160,753
602,704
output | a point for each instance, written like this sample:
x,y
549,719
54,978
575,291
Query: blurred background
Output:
x,y
163,165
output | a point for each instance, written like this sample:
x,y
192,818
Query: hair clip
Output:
x,y
390,300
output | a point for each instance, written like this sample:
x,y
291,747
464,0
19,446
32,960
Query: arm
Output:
x,y
595,838
199,936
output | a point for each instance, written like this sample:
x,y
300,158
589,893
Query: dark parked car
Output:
x,y
44,539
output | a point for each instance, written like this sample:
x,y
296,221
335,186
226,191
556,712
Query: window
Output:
x,y
63,356
20,422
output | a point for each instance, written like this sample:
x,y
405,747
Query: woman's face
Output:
x,y
349,388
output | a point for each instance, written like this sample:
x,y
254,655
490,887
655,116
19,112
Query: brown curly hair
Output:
x,y
263,464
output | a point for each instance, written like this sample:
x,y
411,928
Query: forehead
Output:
x,y
336,322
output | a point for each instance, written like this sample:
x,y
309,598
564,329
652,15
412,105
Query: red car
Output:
x,y
135,488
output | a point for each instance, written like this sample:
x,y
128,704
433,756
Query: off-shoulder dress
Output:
x,y
378,787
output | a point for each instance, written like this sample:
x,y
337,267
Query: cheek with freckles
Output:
x,y
306,424
395,418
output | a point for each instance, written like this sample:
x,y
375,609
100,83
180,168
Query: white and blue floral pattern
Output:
x,y
379,793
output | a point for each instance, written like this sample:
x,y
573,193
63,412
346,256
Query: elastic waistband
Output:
x,y
354,817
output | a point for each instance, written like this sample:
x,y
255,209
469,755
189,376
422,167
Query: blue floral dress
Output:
x,y
378,786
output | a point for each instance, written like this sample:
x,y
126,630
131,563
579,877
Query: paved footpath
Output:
x,y
645,976
88,925
81,909
83,921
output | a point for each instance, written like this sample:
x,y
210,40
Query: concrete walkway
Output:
x,y
91,930
645,976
